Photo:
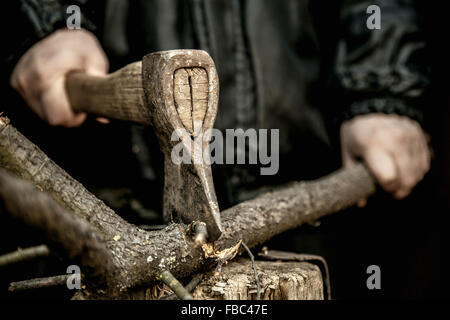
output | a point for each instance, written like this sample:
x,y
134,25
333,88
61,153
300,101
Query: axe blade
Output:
x,y
181,88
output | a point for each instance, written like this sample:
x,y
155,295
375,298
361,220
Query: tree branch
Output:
x,y
23,201
140,256
38,283
196,279
24,254
175,285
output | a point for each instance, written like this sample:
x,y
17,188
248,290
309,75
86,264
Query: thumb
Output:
x,y
347,158
96,64
95,70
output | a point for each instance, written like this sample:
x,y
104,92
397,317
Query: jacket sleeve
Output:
x,y
28,21
382,70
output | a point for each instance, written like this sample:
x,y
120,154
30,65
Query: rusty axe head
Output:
x,y
181,88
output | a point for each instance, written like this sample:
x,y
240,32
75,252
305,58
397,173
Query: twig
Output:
x,y
38,283
291,256
189,287
175,285
24,254
194,282
252,258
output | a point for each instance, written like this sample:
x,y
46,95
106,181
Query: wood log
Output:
x,y
279,281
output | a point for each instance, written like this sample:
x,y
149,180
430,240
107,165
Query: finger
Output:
x,y
408,165
95,70
419,150
56,105
417,165
76,121
30,98
402,193
14,81
96,64
382,166
102,120
362,203
347,159
425,154
422,159
31,85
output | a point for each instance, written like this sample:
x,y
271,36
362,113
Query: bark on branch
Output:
x,y
24,254
140,256
39,283
35,208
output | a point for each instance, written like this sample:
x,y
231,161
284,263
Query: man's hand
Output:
x,y
39,75
393,147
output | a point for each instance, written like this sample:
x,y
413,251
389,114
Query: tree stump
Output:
x,y
279,281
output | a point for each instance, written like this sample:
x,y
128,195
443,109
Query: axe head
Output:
x,y
181,88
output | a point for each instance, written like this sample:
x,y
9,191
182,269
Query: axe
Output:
x,y
169,90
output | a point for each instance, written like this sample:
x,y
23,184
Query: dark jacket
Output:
x,y
296,65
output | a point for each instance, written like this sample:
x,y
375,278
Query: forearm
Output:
x,y
381,79
382,70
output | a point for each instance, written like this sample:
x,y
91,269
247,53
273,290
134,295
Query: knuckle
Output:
x,y
35,61
383,137
425,170
410,181
427,166
38,73
390,185
386,179
39,93
401,194
399,134
19,81
389,181
55,116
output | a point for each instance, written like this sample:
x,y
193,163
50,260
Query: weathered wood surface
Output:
x,y
181,88
279,281
119,95
236,281
20,199
138,257
191,90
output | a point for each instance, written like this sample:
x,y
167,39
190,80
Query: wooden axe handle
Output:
x,y
118,95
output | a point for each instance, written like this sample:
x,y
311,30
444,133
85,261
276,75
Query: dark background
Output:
x,y
408,239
